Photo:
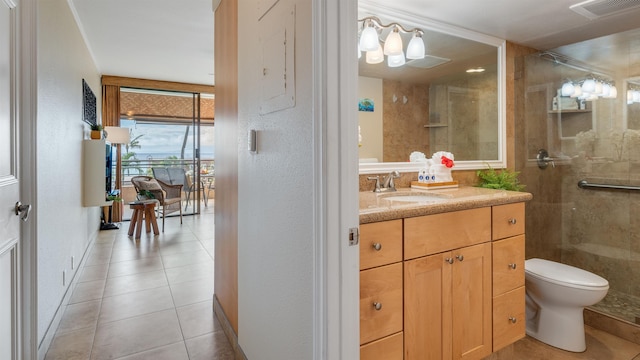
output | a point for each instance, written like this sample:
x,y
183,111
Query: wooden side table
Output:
x,y
143,211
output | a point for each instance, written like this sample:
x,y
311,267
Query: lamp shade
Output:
x,y
393,43
369,39
568,89
589,86
395,60
117,135
415,49
376,56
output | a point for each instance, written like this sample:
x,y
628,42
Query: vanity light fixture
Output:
x,y
392,46
591,88
475,70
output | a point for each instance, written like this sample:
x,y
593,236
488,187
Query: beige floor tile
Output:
x,y
190,272
212,346
180,247
600,346
126,255
187,258
96,272
133,335
192,292
79,316
74,345
176,237
85,291
176,351
197,319
98,258
131,267
136,282
135,303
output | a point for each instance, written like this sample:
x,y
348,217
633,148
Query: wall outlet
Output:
x,y
72,263
64,277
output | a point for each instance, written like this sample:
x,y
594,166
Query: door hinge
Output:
x,y
354,236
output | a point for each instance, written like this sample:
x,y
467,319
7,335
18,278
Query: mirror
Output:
x,y
432,104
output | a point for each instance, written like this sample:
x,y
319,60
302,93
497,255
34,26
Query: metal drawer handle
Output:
x,y
513,266
512,221
377,306
513,319
460,257
377,246
449,260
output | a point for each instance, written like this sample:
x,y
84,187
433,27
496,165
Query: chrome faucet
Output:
x,y
387,183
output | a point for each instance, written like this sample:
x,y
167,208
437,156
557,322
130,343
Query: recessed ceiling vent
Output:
x,y
594,9
427,62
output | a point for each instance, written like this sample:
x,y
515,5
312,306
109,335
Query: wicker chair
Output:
x,y
168,196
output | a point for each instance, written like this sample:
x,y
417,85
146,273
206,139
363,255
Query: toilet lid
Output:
x,y
557,272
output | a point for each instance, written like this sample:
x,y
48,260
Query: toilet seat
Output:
x,y
564,275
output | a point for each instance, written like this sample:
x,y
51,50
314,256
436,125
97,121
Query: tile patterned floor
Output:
x,y
148,299
152,299
600,346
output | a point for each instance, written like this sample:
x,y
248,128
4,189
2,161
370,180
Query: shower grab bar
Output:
x,y
583,184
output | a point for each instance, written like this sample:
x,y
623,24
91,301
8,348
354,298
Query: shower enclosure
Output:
x,y
598,141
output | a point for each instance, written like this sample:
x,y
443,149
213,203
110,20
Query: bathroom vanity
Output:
x,y
441,273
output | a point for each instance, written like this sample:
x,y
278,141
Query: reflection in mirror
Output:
x,y
447,101
633,103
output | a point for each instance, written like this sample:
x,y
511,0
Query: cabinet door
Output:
x,y
381,286
427,308
471,299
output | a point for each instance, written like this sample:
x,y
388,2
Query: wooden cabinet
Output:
x,y
381,293
448,304
508,274
442,286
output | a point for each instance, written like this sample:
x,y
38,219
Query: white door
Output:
x,y
9,187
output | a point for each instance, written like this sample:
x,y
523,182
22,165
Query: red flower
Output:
x,y
447,162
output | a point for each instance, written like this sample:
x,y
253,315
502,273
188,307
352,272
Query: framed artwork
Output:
x,y
89,114
365,105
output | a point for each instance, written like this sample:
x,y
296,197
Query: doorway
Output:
x,y
171,139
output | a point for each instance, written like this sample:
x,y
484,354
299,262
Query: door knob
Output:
x,y
22,209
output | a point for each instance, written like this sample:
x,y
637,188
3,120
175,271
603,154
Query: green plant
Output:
x,y
504,179
115,198
146,194
96,127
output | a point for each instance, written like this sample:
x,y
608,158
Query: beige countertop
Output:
x,y
408,202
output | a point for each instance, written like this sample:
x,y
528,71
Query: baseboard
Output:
x,y
228,329
50,333
618,327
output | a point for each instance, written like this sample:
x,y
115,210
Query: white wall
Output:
x,y
371,122
64,227
275,200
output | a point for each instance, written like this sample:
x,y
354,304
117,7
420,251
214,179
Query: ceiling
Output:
x,y
166,40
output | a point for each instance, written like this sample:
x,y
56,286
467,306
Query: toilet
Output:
x,y
556,295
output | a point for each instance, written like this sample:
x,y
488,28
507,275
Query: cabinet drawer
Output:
x,y
508,264
508,318
380,243
507,220
381,285
431,234
389,348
